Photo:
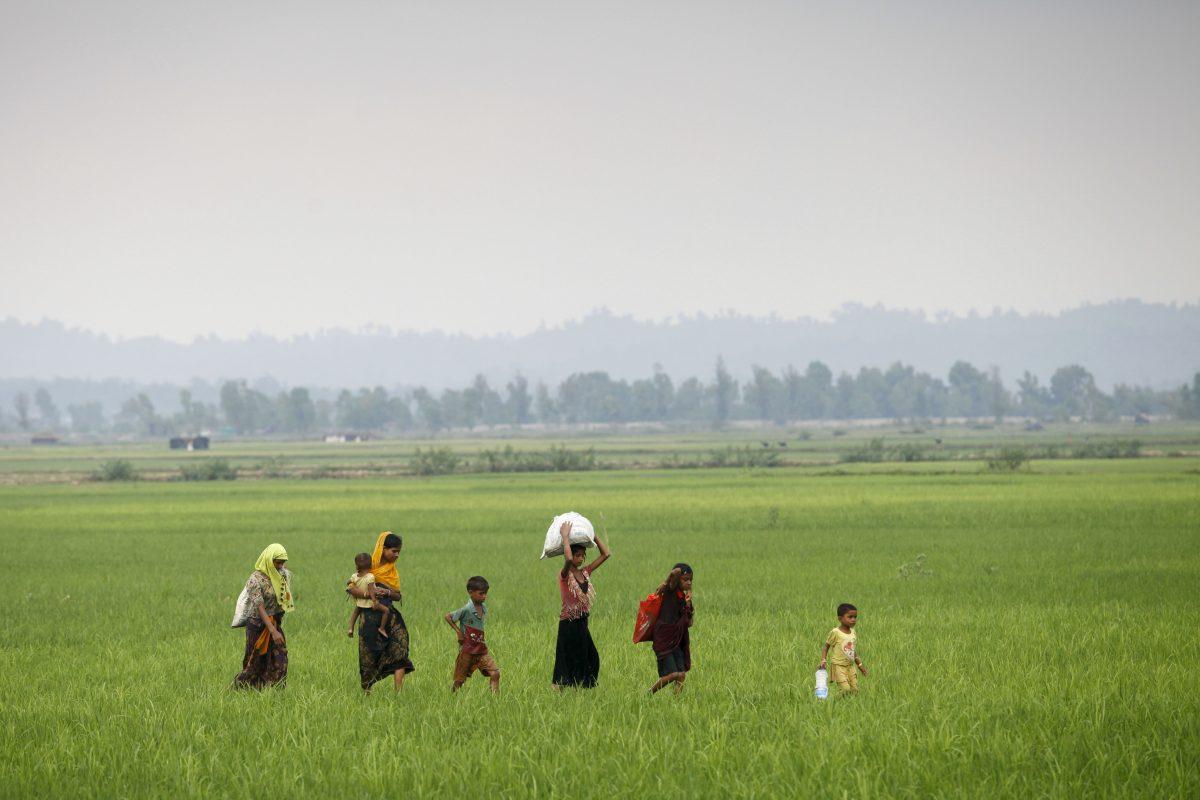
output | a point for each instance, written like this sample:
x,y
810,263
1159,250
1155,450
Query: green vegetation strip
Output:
x,y
1041,647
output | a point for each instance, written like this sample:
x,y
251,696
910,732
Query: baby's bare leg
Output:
x,y
383,623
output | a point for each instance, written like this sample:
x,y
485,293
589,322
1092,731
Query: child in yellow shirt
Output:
x,y
363,579
843,641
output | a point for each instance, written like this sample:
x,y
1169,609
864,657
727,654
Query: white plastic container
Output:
x,y
822,690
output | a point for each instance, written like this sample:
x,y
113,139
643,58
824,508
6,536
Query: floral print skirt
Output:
x,y
380,657
264,663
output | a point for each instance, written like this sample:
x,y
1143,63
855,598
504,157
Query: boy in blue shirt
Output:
x,y
468,623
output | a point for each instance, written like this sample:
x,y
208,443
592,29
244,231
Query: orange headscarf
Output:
x,y
384,573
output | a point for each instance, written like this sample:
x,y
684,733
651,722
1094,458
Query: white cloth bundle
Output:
x,y
582,533
242,610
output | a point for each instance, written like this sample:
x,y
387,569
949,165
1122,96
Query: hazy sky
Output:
x,y
224,167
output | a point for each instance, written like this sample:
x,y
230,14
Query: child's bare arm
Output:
x,y
824,656
565,531
861,667
450,621
605,553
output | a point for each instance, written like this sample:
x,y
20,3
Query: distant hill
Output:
x,y
1129,341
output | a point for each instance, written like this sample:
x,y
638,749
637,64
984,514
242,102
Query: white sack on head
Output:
x,y
582,533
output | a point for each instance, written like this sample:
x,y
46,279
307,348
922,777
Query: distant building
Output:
x,y
189,443
44,438
343,438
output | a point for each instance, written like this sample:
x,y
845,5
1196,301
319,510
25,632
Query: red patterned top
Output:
x,y
576,601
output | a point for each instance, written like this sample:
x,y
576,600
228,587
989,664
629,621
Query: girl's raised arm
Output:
x,y
600,559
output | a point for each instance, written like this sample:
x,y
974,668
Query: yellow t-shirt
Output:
x,y
365,582
841,647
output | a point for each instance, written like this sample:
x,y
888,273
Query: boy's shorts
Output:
x,y
845,677
466,663
671,662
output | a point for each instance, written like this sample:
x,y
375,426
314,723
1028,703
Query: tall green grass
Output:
x,y
1051,652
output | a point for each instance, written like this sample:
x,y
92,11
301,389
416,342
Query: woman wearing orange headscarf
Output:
x,y
381,656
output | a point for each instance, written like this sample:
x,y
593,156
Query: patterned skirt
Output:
x,y
576,660
380,657
264,663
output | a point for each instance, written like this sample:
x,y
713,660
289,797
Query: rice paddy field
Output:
x,y
1046,647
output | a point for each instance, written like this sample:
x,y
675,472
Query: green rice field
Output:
x,y
1048,647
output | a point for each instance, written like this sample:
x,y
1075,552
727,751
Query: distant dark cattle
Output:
x,y
44,439
1141,419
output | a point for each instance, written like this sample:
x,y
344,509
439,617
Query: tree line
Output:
x,y
899,392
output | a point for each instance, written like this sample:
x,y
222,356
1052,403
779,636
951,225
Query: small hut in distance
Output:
x,y
189,443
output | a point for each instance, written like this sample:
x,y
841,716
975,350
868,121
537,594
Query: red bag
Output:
x,y
647,615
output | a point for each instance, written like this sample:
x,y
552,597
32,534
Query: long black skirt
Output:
x,y
380,657
576,660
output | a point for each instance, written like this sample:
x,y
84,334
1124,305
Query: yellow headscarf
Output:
x,y
280,583
384,573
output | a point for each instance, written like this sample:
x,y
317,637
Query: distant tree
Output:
x,y
690,401
518,402
455,412
969,392
324,410
194,417
400,414
724,394
86,417
368,410
137,416
429,410
47,412
998,399
247,410
870,396
843,397
296,411
594,397
487,406
817,391
1032,398
765,395
544,405
1074,391
21,405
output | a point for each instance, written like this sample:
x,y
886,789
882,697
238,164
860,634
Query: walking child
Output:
x,y
843,642
468,624
672,645
364,580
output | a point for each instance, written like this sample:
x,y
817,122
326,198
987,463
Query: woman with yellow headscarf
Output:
x,y
269,592
381,656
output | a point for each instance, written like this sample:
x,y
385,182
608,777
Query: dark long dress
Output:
x,y
671,639
379,657
576,660
264,663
